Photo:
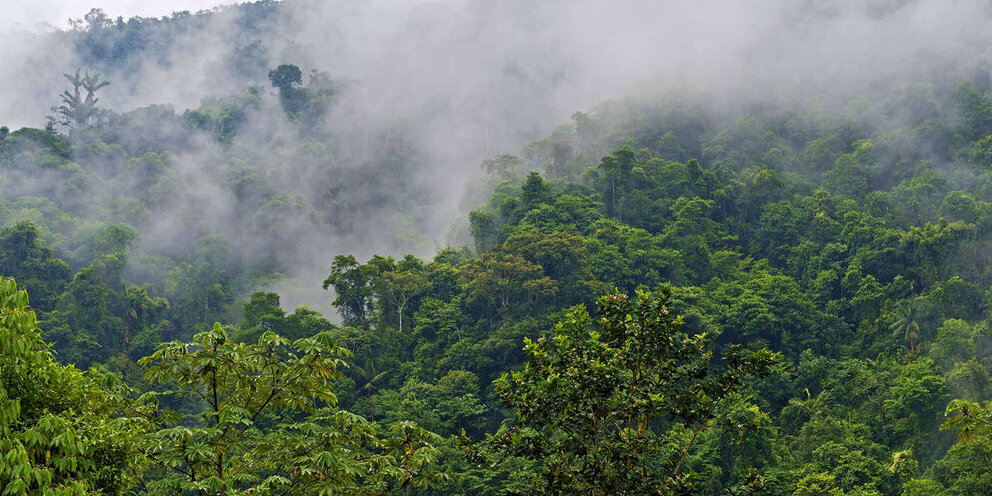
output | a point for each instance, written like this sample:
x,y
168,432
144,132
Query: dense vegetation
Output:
x,y
796,298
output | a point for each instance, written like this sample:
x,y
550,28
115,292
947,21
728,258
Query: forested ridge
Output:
x,y
672,293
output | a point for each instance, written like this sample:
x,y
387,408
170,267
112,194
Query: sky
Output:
x,y
30,14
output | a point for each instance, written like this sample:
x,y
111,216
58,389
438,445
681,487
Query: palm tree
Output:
x,y
903,321
367,375
77,108
139,308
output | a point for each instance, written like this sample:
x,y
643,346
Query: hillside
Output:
x,y
695,291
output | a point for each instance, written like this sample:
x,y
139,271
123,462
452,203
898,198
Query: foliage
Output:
x,y
62,432
239,444
76,109
588,401
850,237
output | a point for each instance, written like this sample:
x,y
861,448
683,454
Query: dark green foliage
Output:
x,y
305,103
25,258
353,288
235,445
224,117
286,77
61,431
853,240
262,314
588,399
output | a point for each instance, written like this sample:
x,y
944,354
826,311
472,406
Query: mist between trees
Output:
x,y
786,204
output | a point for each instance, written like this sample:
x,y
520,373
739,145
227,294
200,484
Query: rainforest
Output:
x,y
480,248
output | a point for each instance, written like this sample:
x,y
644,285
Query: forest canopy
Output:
x,y
674,292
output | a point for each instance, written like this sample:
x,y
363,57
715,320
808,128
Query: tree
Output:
x,y
965,469
981,152
399,286
269,423
286,77
761,186
24,257
617,168
534,192
819,484
503,167
590,403
931,244
353,285
563,259
970,419
261,313
504,276
904,321
485,229
85,326
77,109
974,111
140,310
62,432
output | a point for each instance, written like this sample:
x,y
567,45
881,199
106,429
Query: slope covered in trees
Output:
x,y
797,297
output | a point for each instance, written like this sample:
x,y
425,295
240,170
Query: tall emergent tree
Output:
x,y
286,77
616,409
354,289
401,283
77,109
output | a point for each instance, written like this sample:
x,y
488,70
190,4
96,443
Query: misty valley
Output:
x,y
479,248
